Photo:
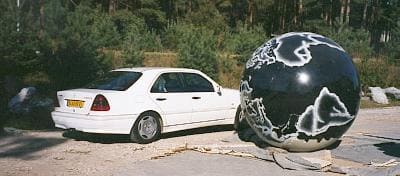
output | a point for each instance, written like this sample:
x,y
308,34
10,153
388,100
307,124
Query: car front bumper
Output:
x,y
116,124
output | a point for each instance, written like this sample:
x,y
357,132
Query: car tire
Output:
x,y
146,129
240,122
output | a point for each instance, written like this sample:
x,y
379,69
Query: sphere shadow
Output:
x,y
248,135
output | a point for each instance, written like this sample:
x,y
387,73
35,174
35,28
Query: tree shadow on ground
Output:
x,y
25,147
121,138
389,148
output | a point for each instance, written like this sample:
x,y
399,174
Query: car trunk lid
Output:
x,y
78,101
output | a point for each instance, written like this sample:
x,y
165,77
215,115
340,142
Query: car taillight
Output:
x,y
100,103
55,101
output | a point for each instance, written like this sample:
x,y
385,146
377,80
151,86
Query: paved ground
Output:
x,y
373,137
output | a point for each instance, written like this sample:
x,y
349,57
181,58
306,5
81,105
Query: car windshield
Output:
x,y
115,80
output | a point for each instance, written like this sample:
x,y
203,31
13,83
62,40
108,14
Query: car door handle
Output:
x,y
196,98
161,99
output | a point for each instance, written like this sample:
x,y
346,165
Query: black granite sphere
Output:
x,y
300,91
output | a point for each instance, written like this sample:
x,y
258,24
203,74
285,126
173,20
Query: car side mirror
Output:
x,y
219,92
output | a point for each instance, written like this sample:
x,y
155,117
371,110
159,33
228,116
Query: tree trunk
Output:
x,y
283,15
375,29
301,11
330,13
342,9
41,32
112,4
296,12
364,17
347,12
250,11
190,6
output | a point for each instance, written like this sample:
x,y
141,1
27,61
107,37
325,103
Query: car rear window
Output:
x,y
115,80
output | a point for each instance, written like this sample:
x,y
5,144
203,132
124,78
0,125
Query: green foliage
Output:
x,y
133,54
245,41
392,48
197,50
103,31
378,72
137,40
122,19
173,35
152,15
78,34
208,16
18,49
74,57
355,42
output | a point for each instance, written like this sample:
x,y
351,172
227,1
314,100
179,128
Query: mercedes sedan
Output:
x,y
145,102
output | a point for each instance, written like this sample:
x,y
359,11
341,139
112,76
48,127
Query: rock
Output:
x,y
318,160
392,91
17,103
338,169
28,100
378,95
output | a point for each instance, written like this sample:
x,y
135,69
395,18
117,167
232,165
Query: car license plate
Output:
x,y
75,103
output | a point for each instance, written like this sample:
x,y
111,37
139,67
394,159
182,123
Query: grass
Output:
x,y
156,59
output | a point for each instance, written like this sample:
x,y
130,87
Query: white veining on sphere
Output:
x,y
268,52
254,111
337,117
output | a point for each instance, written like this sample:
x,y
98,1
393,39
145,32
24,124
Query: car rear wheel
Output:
x,y
146,129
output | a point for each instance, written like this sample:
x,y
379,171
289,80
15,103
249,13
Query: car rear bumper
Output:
x,y
118,124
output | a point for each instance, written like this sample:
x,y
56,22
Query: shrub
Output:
x,y
197,50
245,41
378,72
355,42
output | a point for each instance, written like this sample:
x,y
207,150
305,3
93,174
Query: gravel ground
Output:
x,y
74,153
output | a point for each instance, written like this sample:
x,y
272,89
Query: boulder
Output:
x,y
27,100
378,95
393,92
18,104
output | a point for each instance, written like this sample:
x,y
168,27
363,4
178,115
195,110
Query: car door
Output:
x,y
208,105
169,94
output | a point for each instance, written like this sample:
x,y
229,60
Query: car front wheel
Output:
x,y
146,129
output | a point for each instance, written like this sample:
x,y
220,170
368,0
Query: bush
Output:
x,y
207,16
378,72
170,39
245,41
73,57
197,50
355,42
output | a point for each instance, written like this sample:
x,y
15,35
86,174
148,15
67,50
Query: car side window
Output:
x,y
167,82
197,83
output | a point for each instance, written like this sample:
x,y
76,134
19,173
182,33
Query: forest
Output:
x,y
60,44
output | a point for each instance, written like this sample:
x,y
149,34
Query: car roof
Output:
x,y
155,69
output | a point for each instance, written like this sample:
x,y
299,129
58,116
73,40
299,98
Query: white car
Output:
x,y
145,102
